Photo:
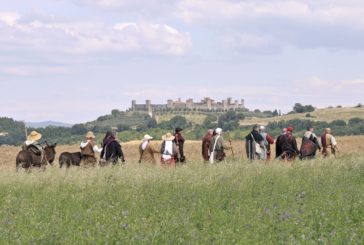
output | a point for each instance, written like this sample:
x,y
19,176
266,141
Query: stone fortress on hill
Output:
x,y
207,104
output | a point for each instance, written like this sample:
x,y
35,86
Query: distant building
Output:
x,y
3,134
205,104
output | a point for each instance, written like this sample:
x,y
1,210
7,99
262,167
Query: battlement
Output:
x,y
205,104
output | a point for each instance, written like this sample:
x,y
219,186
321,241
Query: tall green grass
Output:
x,y
236,203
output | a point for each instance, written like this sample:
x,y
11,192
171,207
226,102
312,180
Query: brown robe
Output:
x,y
206,141
148,153
88,155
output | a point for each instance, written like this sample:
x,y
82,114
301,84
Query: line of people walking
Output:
x,y
171,151
258,144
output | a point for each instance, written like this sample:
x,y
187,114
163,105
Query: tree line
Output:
x,y
132,126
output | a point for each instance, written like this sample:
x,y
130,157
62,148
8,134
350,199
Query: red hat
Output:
x,y
290,129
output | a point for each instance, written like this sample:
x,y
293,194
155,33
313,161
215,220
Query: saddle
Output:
x,y
36,150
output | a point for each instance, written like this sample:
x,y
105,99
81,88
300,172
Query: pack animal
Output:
x,y
29,158
68,159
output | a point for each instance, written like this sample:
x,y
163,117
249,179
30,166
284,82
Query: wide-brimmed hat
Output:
x,y
168,136
290,129
90,135
34,135
178,130
147,137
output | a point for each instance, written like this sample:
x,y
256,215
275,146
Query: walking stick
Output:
x,y
249,151
25,130
231,145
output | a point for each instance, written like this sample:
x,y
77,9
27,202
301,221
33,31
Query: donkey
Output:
x,y
68,159
28,158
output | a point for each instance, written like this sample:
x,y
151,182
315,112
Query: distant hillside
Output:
x,y
327,115
121,120
193,118
47,124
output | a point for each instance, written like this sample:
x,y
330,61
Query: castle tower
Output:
x,y
229,100
133,105
242,103
225,104
209,103
148,105
169,103
189,103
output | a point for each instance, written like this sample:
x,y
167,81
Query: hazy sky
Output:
x,y
74,60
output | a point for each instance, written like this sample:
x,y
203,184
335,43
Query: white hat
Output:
x,y
90,135
168,137
261,128
34,135
218,130
147,137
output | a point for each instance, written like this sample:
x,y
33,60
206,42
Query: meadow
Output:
x,y
237,202
325,115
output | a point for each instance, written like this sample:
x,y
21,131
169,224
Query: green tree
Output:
x,y
298,108
275,113
78,129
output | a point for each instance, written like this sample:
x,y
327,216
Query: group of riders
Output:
x,y
257,145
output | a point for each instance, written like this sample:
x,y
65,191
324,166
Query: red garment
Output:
x,y
269,139
270,142
323,140
169,163
206,141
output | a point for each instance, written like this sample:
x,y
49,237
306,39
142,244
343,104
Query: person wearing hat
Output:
x,y
289,145
32,143
168,150
268,140
88,148
179,141
218,147
329,145
254,145
111,150
147,150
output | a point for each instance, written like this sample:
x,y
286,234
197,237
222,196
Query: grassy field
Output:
x,y
238,202
327,114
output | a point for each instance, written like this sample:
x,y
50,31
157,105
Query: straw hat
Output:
x,y
34,136
90,135
147,137
168,137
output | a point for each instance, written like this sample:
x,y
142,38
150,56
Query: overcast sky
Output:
x,y
74,60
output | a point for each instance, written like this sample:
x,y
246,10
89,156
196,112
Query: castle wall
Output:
x,y
205,104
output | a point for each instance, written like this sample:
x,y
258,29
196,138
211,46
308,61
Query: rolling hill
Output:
x,y
326,114
47,124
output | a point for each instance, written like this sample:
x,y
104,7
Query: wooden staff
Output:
x,y
25,130
231,145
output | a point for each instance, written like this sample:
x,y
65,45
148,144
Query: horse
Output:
x,y
29,158
68,159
